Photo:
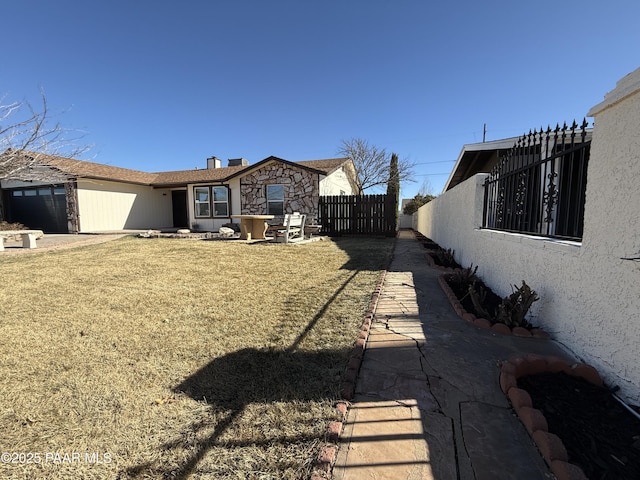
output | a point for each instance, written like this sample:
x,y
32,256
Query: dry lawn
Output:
x,y
177,359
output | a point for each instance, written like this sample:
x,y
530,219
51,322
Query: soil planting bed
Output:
x,y
440,259
600,435
457,293
461,291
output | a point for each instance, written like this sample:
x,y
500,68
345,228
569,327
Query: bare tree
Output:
x,y
27,133
372,164
426,189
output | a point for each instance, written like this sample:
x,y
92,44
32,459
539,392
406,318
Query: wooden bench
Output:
x,y
29,237
292,229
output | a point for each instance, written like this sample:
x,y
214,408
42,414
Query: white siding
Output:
x,y
105,206
337,183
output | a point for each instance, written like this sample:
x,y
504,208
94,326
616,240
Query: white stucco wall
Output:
x,y
589,295
405,221
105,206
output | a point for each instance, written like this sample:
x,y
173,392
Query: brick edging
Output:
x,y
550,445
329,451
483,322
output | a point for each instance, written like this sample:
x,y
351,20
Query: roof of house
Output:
x,y
81,168
182,177
198,175
482,157
84,169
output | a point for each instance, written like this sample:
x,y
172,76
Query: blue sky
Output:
x,y
162,85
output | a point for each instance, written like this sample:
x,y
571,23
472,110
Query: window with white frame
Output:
x,y
220,196
211,201
203,207
275,199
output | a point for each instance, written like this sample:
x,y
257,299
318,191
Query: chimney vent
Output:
x,y
213,162
238,162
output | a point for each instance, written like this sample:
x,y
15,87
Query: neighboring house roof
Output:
x,y
478,158
328,165
84,169
482,157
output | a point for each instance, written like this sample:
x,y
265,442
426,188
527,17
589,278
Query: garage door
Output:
x,y
43,208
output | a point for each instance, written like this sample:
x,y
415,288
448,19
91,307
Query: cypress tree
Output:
x,y
393,185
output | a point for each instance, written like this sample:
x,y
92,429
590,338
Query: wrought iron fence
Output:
x,y
538,187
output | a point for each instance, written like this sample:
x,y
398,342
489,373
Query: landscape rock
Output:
x,y
226,231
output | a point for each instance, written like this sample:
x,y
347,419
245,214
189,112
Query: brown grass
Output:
x,y
175,358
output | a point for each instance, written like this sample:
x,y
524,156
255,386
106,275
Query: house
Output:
x,y
580,250
63,195
484,157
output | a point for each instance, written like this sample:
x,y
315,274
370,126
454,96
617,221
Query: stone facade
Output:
x,y
301,190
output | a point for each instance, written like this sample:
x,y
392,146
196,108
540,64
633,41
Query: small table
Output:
x,y
253,226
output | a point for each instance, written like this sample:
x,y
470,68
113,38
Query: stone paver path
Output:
x,y
428,404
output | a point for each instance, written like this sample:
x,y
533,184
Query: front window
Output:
x,y
220,201
275,199
203,208
211,199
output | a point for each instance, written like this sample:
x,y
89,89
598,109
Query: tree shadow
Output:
x,y
258,376
229,383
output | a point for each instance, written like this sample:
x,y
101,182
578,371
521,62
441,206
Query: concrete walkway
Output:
x,y
428,403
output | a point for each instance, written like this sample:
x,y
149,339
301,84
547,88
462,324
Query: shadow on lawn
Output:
x,y
230,383
256,376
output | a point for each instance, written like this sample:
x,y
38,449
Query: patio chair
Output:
x,y
292,229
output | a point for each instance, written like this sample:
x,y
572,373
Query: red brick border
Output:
x,y
551,447
329,450
348,388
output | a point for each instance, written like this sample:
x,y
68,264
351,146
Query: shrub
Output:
x,y
11,226
444,258
515,307
511,311
464,276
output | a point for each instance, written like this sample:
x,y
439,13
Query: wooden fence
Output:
x,y
357,215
